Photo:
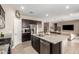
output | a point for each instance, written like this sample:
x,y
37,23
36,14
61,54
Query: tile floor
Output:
x,y
68,47
24,48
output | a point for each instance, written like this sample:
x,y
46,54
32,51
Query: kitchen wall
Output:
x,y
25,24
39,28
74,22
17,33
10,20
51,26
31,18
13,24
40,25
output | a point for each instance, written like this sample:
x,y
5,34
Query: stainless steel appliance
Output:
x,y
33,28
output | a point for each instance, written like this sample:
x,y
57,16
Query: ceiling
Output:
x,y
53,10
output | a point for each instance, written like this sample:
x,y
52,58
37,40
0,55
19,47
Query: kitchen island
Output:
x,y
48,44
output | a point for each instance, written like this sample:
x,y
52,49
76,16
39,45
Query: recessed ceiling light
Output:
x,y
22,7
67,7
47,15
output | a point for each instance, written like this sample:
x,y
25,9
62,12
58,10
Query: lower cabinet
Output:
x,y
56,48
36,43
25,37
44,47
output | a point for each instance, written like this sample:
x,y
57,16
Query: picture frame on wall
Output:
x,y
2,18
2,23
17,14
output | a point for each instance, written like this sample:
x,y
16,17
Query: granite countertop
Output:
x,y
5,36
53,38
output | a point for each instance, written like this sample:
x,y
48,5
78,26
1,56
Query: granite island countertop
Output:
x,y
53,38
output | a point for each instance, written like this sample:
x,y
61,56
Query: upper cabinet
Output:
x,y
2,18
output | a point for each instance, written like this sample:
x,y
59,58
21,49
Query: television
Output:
x,y
68,27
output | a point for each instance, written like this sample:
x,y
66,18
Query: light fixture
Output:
x,y
22,7
67,7
47,15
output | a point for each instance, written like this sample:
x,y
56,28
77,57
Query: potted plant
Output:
x,y
1,34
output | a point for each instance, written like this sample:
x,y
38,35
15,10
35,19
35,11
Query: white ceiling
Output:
x,y
53,10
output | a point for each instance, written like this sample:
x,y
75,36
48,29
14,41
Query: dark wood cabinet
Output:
x,y
32,40
36,43
44,47
26,37
56,48
4,41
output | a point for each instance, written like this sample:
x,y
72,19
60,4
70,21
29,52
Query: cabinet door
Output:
x,y
31,40
36,43
44,47
56,48
25,37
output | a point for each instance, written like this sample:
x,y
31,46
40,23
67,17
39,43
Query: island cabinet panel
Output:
x,y
36,43
56,48
44,47
32,40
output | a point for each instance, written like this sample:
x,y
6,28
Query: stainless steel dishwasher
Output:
x,y
44,47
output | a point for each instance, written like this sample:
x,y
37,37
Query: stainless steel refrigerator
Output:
x,y
33,28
